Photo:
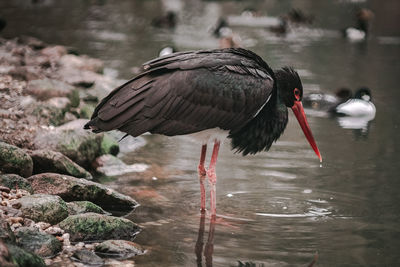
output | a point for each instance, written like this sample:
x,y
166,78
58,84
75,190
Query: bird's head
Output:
x,y
290,92
363,93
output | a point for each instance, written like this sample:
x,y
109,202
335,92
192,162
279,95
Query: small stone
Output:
x,y
54,230
15,220
43,225
16,205
4,189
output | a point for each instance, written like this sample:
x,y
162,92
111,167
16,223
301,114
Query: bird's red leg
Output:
x,y
202,175
212,177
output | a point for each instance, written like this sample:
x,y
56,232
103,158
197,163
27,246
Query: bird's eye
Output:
x,y
296,93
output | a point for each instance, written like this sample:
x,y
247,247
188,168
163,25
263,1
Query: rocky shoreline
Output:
x,y
51,212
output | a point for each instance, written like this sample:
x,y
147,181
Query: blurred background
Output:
x,y
277,208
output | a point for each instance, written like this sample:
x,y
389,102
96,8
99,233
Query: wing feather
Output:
x,y
188,92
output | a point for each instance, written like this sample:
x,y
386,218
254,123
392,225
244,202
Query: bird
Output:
x,y
209,95
326,102
297,16
359,106
361,31
167,21
227,38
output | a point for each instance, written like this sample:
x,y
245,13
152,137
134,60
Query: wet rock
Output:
x,y
15,181
42,244
23,258
87,257
81,146
93,226
122,249
110,165
45,208
44,89
71,189
52,161
78,207
82,63
15,160
6,234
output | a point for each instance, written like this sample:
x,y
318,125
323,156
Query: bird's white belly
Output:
x,y
357,108
355,34
209,135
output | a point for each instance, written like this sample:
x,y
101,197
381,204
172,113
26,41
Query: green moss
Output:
x,y
86,111
74,99
13,181
22,258
15,160
78,207
109,145
92,226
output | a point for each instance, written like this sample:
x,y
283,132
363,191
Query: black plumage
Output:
x,y
182,93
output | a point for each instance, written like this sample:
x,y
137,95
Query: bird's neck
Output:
x,y
259,133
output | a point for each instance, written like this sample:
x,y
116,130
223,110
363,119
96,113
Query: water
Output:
x,y
280,208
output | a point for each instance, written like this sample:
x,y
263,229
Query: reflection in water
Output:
x,y
209,246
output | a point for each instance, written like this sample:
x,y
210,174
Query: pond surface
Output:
x,y
278,208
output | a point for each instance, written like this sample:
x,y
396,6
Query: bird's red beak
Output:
x,y
301,118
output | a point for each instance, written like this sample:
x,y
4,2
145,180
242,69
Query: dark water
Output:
x,y
280,208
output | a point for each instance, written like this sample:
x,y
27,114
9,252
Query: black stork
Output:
x,y
210,94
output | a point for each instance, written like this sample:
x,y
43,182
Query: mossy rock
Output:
x,y
34,241
109,145
79,207
15,160
23,258
81,146
73,189
44,208
95,227
6,234
52,161
122,249
14,181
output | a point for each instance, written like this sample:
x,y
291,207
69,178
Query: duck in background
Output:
x,y
227,38
326,102
294,18
360,105
357,112
297,16
360,32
